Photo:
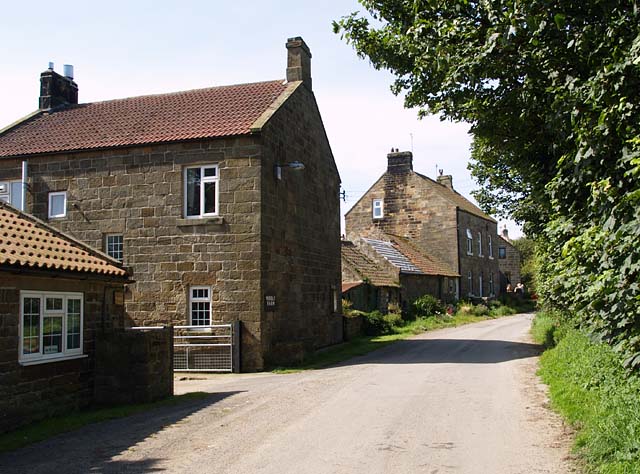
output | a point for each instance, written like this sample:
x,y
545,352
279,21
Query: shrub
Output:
x,y
393,319
427,305
375,323
465,309
499,310
480,310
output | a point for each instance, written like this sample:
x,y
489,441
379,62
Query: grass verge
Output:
x,y
590,388
365,344
48,428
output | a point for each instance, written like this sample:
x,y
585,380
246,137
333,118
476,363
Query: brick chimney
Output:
x,y
57,90
298,61
399,162
505,233
446,180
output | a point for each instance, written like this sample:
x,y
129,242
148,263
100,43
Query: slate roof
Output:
x,y
409,258
30,243
366,267
195,114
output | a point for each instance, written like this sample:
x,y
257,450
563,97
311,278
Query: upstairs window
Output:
x,y
490,244
200,305
114,246
201,191
479,244
57,204
11,192
378,212
469,242
502,252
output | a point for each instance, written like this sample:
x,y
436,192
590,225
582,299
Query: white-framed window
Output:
x,y
11,192
490,244
114,246
480,285
479,244
491,289
57,204
469,242
201,191
50,325
378,208
470,281
502,252
200,305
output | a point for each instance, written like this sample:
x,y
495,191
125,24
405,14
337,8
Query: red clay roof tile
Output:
x,y
200,113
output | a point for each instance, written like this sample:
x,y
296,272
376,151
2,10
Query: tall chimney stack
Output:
x,y
57,90
399,162
446,180
298,61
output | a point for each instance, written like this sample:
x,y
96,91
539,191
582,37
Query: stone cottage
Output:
x,y
222,202
433,217
55,294
508,261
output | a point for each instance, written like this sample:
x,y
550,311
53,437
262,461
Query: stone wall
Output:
x,y
415,286
300,234
477,264
33,392
510,265
133,366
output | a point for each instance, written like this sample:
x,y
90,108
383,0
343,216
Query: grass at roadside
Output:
x,y
591,389
365,344
45,429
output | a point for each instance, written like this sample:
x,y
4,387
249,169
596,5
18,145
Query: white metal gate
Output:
x,y
212,348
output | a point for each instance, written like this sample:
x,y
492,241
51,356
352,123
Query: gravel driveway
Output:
x,y
462,400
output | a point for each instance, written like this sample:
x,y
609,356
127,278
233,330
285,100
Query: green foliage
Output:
x,y
548,329
589,386
528,262
375,323
427,305
481,310
551,93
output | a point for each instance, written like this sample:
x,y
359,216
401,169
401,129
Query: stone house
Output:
x,y
217,200
435,218
508,261
56,293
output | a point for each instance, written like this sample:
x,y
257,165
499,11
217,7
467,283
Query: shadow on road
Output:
x,y
448,351
94,447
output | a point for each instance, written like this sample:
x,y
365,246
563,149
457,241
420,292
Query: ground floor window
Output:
x,y
200,305
50,325
470,281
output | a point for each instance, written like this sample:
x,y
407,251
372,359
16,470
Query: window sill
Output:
x,y
53,359
200,221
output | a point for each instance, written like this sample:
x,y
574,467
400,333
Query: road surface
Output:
x,y
462,400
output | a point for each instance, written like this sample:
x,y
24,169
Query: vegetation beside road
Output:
x,y
427,314
591,389
51,427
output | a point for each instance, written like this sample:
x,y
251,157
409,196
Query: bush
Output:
x,y
465,309
480,310
427,305
499,310
375,323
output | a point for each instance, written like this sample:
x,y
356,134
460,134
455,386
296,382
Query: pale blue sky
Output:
x,y
122,49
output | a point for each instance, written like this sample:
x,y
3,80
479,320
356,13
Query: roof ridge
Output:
x,y
90,250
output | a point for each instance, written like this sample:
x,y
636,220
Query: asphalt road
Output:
x,y
462,400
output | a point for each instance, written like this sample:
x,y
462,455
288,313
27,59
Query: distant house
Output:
x,y
222,202
508,261
55,293
393,271
434,218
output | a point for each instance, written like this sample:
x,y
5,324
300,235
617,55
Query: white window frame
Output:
x,y
470,281
66,353
106,246
490,244
469,242
480,244
193,299
14,189
203,179
64,208
480,285
377,205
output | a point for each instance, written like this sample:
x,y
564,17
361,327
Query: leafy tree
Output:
x,y
551,90
528,262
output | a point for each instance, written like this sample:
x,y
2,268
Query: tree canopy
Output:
x,y
551,90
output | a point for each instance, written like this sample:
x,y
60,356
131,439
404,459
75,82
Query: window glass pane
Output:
x,y
193,191
209,198
210,171
31,326
73,324
16,194
51,334
200,311
54,304
115,247
58,205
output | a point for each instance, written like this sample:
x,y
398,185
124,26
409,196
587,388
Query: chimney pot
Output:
x,y
399,162
446,180
298,61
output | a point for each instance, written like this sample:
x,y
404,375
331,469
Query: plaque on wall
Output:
x,y
270,302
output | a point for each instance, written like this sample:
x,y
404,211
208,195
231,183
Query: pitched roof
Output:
x,y
409,258
456,198
368,269
30,243
195,114
349,285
